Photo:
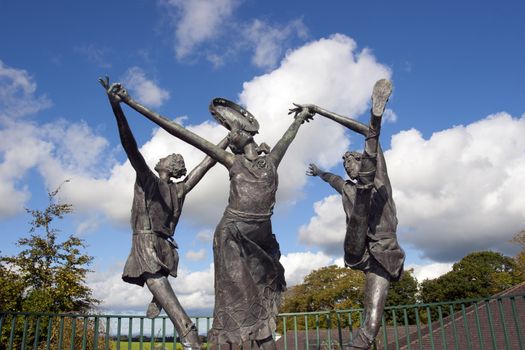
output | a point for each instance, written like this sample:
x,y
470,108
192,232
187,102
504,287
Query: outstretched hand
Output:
x,y
303,112
313,170
115,91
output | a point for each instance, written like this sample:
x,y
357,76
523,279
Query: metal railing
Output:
x,y
487,324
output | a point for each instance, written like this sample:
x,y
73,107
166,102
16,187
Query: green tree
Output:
x,y
520,257
404,291
477,275
327,288
48,274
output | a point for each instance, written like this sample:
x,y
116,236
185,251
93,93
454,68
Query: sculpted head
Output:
x,y
172,165
352,163
239,138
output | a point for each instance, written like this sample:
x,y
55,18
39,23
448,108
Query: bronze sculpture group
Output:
x,y
249,278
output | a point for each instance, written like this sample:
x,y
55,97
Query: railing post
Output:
x,y
503,324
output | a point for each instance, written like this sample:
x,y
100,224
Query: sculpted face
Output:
x,y
352,163
238,140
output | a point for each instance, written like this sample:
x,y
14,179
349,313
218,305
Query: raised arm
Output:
x,y
128,141
200,170
278,151
177,130
335,181
351,124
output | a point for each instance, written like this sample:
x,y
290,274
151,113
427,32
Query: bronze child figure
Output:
x,y
157,205
370,242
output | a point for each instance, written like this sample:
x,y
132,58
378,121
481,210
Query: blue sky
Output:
x,y
453,136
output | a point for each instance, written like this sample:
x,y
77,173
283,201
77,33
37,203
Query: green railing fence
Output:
x,y
487,324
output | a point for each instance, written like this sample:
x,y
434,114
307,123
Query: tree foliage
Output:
x,y
477,275
50,274
404,291
327,288
520,257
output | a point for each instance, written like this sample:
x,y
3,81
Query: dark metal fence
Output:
x,y
486,324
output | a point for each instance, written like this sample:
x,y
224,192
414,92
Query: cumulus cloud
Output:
x,y
298,265
201,28
429,271
327,227
17,94
198,255
193,289
143,89
268,41
461,190
198,21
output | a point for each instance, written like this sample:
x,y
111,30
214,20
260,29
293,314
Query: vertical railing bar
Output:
x,y
141,344
396,333
296,345
339,331
317,330
516,322
119,331
12,332
152,334
491,325
307,342
407,329
37,333
383,324
478,327
130,333
73,332
454,328
24,332
96,322
503,323
430,331
164,332
418,327
84,335
49,332
442,327
350,325
61,333
465,325
106,335
329,330
284,334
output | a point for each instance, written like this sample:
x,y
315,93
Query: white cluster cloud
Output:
x,y
268,40
193,289
198,255
298,265
198,21
17,95
429,271
462,189
458,191
327,227
143,89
